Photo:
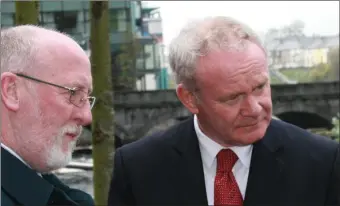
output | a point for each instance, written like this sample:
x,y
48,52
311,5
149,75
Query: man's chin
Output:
x,y
59,161
250,136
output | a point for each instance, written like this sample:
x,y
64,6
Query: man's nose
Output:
x,y
251,107
87,119
84,115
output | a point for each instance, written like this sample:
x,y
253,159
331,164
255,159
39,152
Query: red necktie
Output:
x,y
226,188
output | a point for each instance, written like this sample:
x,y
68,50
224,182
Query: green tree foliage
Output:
x,y
329,71
103,112
125,58
333,58
332,133
27,12
319,72
336,128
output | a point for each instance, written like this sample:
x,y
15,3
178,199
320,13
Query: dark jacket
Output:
x,y
289,166
20,185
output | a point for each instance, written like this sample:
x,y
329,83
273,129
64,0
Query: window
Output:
x,y
86,15
49,25
66,21
87,26
71,22
119,20
150,60
7,19
47,17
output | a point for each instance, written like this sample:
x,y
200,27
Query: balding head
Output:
x,y
23,47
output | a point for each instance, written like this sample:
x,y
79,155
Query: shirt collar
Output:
x,y
210,148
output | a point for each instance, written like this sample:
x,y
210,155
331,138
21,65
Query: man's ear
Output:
x,y
9,91
187,98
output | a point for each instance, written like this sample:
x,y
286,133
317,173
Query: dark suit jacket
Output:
x,y
289,166
20,185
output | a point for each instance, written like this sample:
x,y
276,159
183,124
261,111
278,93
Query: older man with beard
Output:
x,y
45,85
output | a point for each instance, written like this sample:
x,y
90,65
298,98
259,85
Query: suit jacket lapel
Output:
x,y
265,175
63,194
22,183
189,169
27,187
58,196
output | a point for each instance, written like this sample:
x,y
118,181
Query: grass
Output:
x,y
298,74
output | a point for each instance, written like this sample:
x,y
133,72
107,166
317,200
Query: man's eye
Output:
x,y
233,99
73,92
260,87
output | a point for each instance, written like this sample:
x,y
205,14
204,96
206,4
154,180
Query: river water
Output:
x,y
78,178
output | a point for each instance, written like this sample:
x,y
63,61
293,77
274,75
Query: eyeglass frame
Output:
x,y
70,90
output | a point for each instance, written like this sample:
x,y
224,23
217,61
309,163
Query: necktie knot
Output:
x,y
226,160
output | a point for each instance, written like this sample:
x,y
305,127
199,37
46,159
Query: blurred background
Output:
x,y
301,38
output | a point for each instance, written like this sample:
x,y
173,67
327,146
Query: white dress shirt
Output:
x,y
209,149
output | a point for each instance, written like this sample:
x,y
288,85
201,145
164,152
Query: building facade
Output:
x,y
152,73
125,23
300,52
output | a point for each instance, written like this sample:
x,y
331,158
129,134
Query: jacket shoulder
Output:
x,y
6,200
157,139
303,141
296,133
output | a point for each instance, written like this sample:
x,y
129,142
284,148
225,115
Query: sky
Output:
x,y
320,17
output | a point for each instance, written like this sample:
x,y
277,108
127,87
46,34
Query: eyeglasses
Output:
x,y
77,96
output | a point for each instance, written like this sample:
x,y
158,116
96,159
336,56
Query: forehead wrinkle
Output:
x,y
215,64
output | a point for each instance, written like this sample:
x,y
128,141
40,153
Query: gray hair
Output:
x,y
18,46
197,38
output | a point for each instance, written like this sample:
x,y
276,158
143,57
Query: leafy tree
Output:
x,y
329,71
124,59
124,65
336,129
103,113
333,58
294,29
320,72
27,12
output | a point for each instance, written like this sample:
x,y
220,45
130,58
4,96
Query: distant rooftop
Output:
x,y
147,8
303,42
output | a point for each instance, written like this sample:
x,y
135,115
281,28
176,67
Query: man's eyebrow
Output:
x,y
262,80
230,95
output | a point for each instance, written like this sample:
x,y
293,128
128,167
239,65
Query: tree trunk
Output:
x,y
27,12
103,112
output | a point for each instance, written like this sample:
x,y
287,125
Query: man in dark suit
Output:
x,y
45,79
231,152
